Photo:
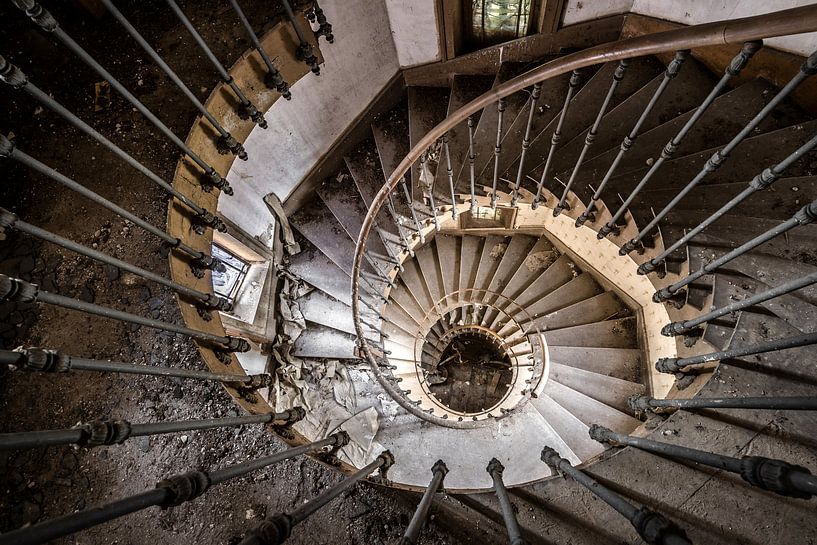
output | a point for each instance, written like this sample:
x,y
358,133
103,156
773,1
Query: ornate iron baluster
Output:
x,y
52,361
273,78
805,215
500,107
304,51
410,203
534,98
399,223
618,75
96,433
46,21
557,136
471,159
14,289
676,365
718,158
769,474
450,172
169,492
199,260
760,182
495,470
204,301
642,404
246,108
324,27
686,326
738,63
276,529
421,513
672,70
653,527
13,76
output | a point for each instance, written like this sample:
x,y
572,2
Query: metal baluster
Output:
x,y
805,215
96,433
738,63
374,328
495,470
450,172
273,78
686,326
324,27
200,260
618,75
169,492
438,471
652,527
769,474
434,209
675,365
760,182
246,109
500,107
46,21
718,158
14,77
204,301
14,289
672,70
471,159
641,403
52,361
276,529
384,237
410,203
226,141
304,51
399,223
534,98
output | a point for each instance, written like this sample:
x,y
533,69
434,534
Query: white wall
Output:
x,y
578,11
695,12
415,28
356,68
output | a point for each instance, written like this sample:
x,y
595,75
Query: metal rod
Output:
x,y
246,107
672,70
276,529
556,137
324,27
52,361
9,150
618,75
738,63
495,470
14,289
500,108
207,300
685,326
410,203
653,527
534,98
304,51
471,159
13,76
641,403
438,472
769,474
434,209
273,78
720,156
168,493
226,141
399,223
46,21
758,183
674,365
805,215
115,432
450,172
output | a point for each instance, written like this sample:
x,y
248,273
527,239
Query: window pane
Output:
x,y
227,283
496,21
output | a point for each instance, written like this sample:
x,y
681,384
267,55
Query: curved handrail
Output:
x,y
780,23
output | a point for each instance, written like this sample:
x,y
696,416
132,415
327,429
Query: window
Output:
x,y
497,21
227,283
243,280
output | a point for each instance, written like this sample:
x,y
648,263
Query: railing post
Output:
x,y
316,15
769,474
471,159
653,527
500,107
534,98
304,51
643,403
276,529
495,470
438,471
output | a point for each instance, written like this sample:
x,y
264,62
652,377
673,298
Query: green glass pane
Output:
x,y
499,20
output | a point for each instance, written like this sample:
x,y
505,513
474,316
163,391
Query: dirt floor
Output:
x,y
47,482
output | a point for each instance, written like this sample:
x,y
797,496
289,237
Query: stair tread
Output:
x,y
319,341
391,135
315,222
314,267
589,410
594,309
573,431
427,106
447,258
611,391
622,363
620,333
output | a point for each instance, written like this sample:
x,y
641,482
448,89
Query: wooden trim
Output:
x,y
773,65
550,16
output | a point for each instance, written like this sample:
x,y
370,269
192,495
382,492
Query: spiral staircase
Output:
x,y
491,251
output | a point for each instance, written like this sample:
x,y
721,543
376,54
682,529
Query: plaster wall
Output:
x,y
415,28
357,66
579,11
